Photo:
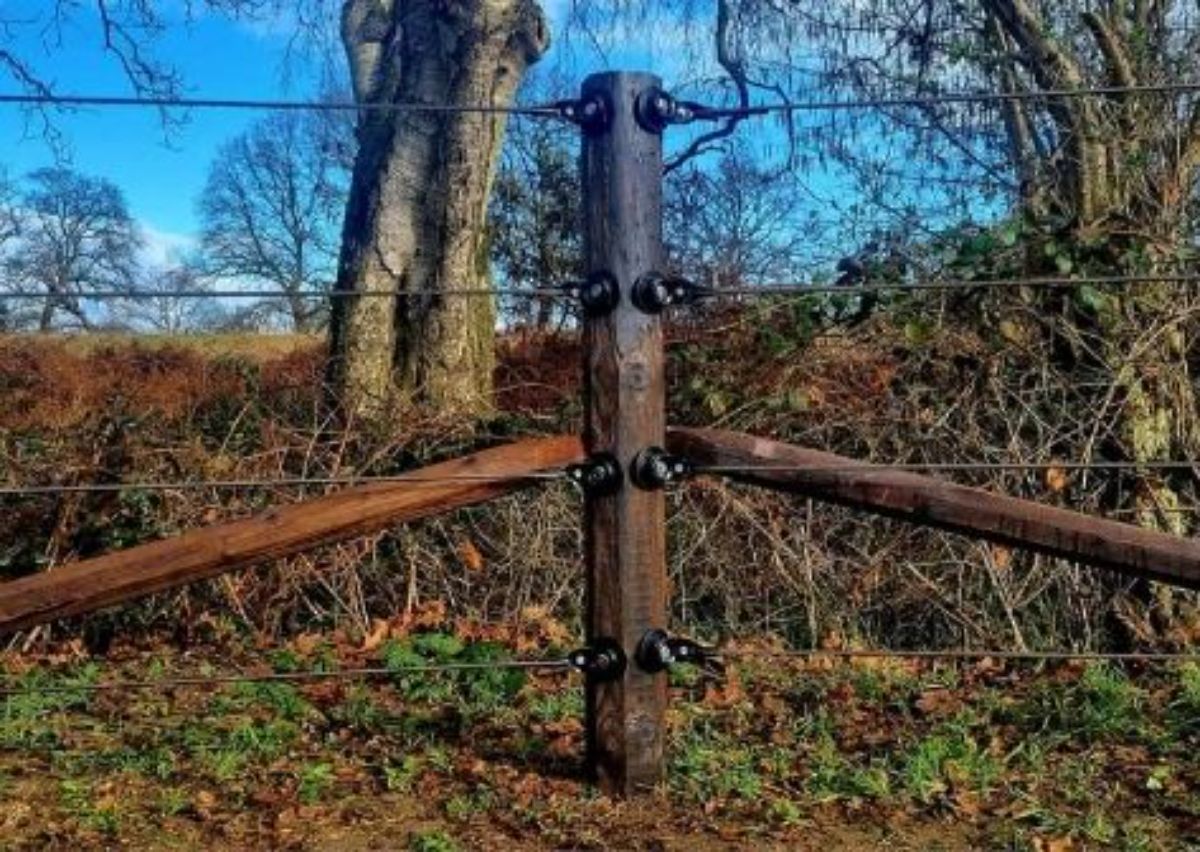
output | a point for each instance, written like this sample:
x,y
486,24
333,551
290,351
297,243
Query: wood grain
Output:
x,y
625,402
926,501
124,576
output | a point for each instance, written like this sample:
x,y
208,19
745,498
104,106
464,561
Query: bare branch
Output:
x,y
1120,67
735,67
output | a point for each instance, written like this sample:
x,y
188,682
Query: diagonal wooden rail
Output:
x,y
931,502
200,554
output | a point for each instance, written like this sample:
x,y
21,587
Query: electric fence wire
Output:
x,y
144,295
960,655
570,290
560,109
76,100
965,467
948,285
552,476
8,690
281,482
974,98
10,686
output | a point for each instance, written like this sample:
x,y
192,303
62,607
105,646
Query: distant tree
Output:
x,y
533,219
10,224
8,232
159,307
734,223
75,235
271,210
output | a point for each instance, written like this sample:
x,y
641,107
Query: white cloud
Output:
x,y
164,248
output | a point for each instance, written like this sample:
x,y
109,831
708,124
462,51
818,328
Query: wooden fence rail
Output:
x,y
931,502
130,574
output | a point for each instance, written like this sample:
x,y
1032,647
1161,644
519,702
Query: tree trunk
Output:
x,y
1123,212
418,200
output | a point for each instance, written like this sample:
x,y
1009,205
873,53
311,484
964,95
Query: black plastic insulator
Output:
x,y
658,651
592,114
603,661
655,110
599,476
599,294
654,468
654,292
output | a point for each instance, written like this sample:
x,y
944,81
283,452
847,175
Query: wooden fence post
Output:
x,y
625,413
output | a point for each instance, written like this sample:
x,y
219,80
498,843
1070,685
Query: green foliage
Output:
x,y
433,840
706,763
832,776
25,715
282,698
1109,703
77,800
225,751
949,758
474,691
464,806
1185,704
557,706
785,812
313,781
359,711
401,778
173,801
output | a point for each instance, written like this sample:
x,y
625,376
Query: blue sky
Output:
x,y
161,177
219,58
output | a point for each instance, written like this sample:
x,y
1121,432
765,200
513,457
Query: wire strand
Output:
x,y
556,111
367,673
804,289
979,98
1016,656
873,467
283,482
73,100
144,295
566,291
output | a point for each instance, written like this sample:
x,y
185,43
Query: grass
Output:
x,y
1096,755
229,344
432,841
948,759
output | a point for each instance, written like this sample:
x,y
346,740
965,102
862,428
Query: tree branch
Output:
x,y
1120,68
735,67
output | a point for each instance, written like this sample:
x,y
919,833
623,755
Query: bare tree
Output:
x,y
155,303
735,223
533,223
272,208
76,236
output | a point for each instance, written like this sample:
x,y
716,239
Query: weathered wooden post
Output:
x,y
625,401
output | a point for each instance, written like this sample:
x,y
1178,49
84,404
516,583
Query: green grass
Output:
x,y
557,706
313,781
707,762
432,841
77,801
832,776
26,717
947,760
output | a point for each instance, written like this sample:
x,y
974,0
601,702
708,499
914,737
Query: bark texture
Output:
x,y
418,200
1124,172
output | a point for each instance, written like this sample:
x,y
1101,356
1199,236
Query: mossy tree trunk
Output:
x,y
418,200
1120,182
